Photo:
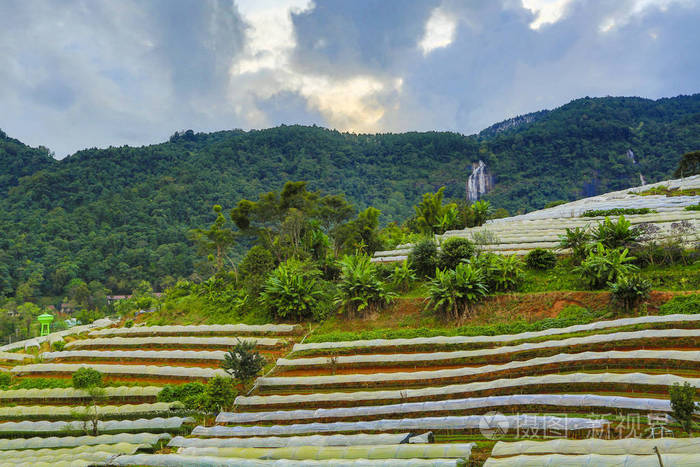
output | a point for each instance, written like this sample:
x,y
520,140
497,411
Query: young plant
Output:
x,y
604,265
454,251
90,381
402,277
628,291
505,272
219,395
577,240
452,292
359,289
540,259
683,405
243,362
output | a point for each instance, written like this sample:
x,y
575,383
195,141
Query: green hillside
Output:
x,y
119,215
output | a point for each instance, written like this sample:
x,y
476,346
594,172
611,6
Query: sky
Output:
x,y
99,73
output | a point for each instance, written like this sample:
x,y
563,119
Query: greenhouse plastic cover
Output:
x,y
201,328
142,424
116,448
136,370
597,460
37,341
138,354
70,393
599,446
425,423
172,340
396,451
581,378
460,354
361,439
559,400
360,378
90,458
177,460
52,411
16,357
147,439
459,340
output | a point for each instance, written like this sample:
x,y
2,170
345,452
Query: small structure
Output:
x,y
45,321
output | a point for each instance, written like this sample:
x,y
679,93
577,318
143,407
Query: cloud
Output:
x,y
81,73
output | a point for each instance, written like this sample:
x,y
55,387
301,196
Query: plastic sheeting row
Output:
x,y
56,336
463,354
200,329
512,422
52,412
633,446
597,460
22,455
420,376
144,439
143,424
355,397
178,460
466,340
216,355
14,357
452,405
173,340
128,370
77,394
361,439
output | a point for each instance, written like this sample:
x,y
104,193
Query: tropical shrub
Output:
x,y
541,259
577,240
58,346
189,394
5,379
454,251
501,272
481,211
683,404
291,291
243,362
616,212
359,289
85,378
129,324
219,395
683,304
629,290
453,291
402,277
423,258
616,234
604,265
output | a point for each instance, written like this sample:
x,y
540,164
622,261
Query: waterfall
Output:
x,y
480,181
631,156
641,179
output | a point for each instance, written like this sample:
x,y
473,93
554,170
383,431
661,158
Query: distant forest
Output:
x,y
117,216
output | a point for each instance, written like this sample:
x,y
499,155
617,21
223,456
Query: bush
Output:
x,y
402,277
85,378
604,265
129,323
189,394
291,291
58,346
683,404
628,291
359,289
5,379
683,304
453,291
454,251
423,258
616,234
243,362
694,207
616,212
501,272
577,240
219,395
541,259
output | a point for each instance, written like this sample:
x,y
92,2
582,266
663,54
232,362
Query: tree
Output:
x,y
688,165
243,362
219,395
90,381
360,234
683,405
216,241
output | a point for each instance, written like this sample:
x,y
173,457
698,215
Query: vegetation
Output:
x,y
424,257
402,277
688,165
85,378
291,291
684,304
616,234
243,362
616,212
360,290
90,381
683,404
454,251
577,240
540,259
453,291
604,265
629,290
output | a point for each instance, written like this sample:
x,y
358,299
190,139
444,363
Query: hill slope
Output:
x,y
121,214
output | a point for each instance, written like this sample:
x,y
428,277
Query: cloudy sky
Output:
x,y
76,74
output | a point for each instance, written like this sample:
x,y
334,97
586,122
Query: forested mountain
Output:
x,y
119,215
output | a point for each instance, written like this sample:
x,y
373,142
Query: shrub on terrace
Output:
x,y
629,290
359,289
452,292
5,379
604,265
85,378
291,291
684,304
576,239
454,251
219,395
188,393
243,362
402,277
423,257
501,272
58,346
616,234
683,405
541,259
